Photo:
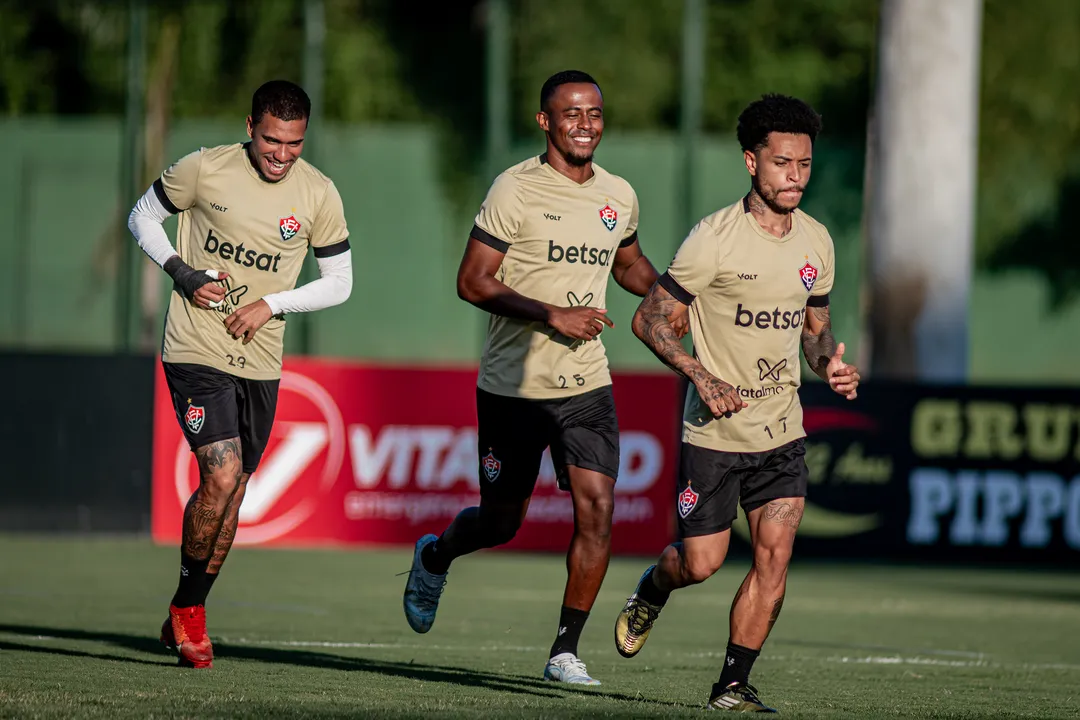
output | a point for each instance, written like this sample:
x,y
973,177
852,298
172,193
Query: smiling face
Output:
x,y
276,145
781,169
574,121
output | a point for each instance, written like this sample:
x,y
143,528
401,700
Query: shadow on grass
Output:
x,y
467,677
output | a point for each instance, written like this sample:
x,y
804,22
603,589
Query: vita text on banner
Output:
x,y
382,455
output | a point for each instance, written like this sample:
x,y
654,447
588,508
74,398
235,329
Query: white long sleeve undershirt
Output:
x,y
145,223
333,286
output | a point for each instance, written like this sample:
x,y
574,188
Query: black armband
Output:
x,y
677,291
488,239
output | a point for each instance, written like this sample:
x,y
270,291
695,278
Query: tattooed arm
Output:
x,y
653,324
818,343
824,355
635,274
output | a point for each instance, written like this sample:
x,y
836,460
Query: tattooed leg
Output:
x,y
228,533
757,603
219,476
228,528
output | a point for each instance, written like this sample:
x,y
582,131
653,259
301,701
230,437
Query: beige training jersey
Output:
x,y
560,240
748,291
258,232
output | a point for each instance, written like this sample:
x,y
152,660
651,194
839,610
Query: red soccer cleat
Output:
x,y
185,630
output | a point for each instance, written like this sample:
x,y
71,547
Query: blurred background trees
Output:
x,y
411,61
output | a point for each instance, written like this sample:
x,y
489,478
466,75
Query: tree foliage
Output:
x,y
1029,144
412,61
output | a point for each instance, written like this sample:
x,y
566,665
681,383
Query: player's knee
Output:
x,y
499,522
699,568
502,531
220,480
772,562
220,467
594,516
221,483
603,508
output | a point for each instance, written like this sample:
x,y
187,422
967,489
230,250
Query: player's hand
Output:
x,y
209,295
721,397
843,378
681,325
196,285
579,323
246,321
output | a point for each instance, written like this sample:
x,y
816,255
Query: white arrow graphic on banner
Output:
x,y
302,444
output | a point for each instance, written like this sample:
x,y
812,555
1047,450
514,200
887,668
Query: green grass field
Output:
x,y
321,634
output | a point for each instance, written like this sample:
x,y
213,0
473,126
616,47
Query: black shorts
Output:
x,y
512,434
212,405
713,483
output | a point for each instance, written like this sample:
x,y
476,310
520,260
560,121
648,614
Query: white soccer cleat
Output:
x,y
568,668
422,591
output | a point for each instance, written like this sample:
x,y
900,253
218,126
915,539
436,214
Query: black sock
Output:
x,y
208,579
192,588
433,561
737,665
571,621
652,594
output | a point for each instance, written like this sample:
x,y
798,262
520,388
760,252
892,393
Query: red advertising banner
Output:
x,y
381,455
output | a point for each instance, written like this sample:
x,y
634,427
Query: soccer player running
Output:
x,y
754,279
548,235
248,213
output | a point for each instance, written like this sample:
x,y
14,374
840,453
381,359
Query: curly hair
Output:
x,y
776,113
284,100
563,78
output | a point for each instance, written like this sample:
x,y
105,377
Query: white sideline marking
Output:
x,y
376,646
981,661
915,652
898,660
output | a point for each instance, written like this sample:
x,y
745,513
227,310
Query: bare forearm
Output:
x,y
656,332
637,277
488,293
819,348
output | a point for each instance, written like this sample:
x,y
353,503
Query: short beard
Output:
x,y
571,159
771,202
578,161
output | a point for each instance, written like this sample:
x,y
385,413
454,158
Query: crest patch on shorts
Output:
x,y
194,418
687,500
491,465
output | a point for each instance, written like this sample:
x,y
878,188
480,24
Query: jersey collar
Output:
x,y
253,172
562,178
756,226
